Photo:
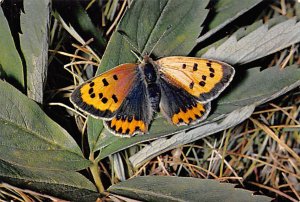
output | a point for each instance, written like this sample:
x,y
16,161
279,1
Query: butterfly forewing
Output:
x,y
202,78
103,95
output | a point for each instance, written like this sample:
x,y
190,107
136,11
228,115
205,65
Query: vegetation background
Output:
x,y
247,149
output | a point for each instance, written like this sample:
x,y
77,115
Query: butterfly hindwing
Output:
x,y
202,78
135,113
103,95
179,107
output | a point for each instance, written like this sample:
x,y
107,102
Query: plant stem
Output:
x,y
96,175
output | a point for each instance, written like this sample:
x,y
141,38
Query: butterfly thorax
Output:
x,y
150,73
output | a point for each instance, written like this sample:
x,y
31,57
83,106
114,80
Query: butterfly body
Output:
x,y
128,96
150,74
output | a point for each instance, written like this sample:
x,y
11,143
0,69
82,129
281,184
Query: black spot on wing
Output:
x,y
130,118
192,85
114,97
105,83
202,83
104,100
195,67
119,116
92,84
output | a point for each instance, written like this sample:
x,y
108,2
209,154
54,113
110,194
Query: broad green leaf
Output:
x,y
226,11
34,45
165,188
259,43
243,31
143,24
263,86
31,139
68,185
11,67
297,9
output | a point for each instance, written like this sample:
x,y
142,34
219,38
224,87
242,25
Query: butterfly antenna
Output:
x,y
163,34
129,41
134,53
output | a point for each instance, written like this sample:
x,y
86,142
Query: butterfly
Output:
x,y
127,96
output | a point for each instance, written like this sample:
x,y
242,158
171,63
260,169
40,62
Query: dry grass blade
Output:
x,y
269,132
292,186
274,190
117,18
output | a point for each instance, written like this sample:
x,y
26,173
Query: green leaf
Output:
x,y
34,45
259,43
143,27
165,188
251,88
31,139
297,9
243,31
68,185
94,129
226,12
11,66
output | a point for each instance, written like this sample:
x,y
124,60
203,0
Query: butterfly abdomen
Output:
x,y
154,92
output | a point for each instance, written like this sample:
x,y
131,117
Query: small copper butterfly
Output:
x,y
127,96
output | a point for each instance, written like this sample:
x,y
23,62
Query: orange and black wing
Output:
x,y
179,107
205,79
102,96
135,113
